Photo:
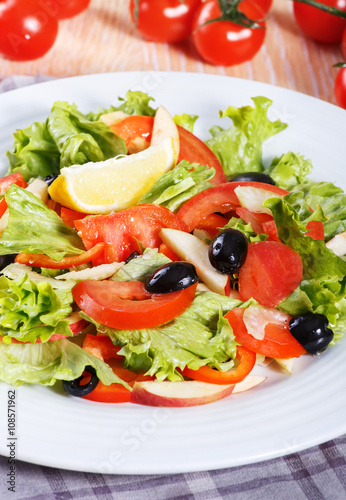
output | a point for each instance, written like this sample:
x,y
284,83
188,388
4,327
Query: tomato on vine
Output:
x,y
228,32
343,43
340,86
323,20
163,20
27,31
70,8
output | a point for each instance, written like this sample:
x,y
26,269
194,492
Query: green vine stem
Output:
x,y
326,8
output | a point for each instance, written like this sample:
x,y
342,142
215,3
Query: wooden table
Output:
x,y
103,39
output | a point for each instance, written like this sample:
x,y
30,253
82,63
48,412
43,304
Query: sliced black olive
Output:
x,y
227,251
171,278
75,388
6,260
132,255
254,177
49,179
311,331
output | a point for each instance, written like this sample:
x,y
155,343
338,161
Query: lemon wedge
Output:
x,y
114,184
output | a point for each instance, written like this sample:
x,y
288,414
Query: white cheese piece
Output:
x,y
257,317
338,244
253,198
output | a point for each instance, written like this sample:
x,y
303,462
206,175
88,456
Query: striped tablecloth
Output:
x,y
318,473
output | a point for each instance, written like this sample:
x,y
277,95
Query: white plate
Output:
x,y
285,414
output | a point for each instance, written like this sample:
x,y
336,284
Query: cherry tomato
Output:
x,y
220,198
340,88
164,20
319,25
27,31
271,272
122,231
69,8
110,303
343,43
226,43
136,131
246,360
277,343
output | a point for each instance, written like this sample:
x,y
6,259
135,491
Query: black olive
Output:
x,y
171,278
49,179
132,255
6,260
254,177
75,388
311,331
227,251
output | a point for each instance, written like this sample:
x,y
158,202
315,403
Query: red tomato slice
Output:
x,y
121,231
191,147
3,207
101,346
163,248
136,131
69,216
41,260
212,224
16,178
246,361
220,198
5,183
271,272
277,343
110,303
194,150
316,230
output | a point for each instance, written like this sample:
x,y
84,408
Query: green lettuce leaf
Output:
x,y
318,260
239,224
34,153
30,311
177,186
186,121
135,103
332,199
80,140
141,267
289,170
200,336
46,363
239,148
34,228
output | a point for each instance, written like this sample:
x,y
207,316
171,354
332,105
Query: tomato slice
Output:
x,y
136,130
69,216
277,343
110,303
101,347
316,230
271,272
123,230
41,260
220,198
194,150
163,248
246,361
16,178
212,224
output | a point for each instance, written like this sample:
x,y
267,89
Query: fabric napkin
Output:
x,y
318,473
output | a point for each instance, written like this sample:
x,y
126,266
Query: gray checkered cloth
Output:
x,y
315,474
